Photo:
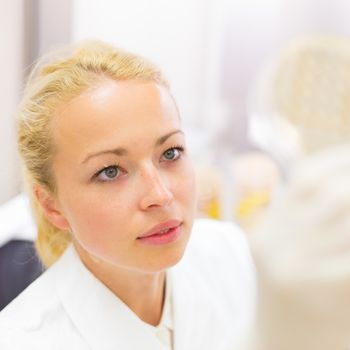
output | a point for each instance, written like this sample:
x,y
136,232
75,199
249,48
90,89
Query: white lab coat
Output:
x,y
213,292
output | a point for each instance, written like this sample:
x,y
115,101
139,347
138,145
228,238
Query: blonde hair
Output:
x,y
56,80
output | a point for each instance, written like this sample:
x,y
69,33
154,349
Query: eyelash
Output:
x,y
179,148
99,172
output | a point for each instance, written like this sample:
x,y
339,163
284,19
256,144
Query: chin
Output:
x,y
168,258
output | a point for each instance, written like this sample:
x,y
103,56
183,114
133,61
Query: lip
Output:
x,y
154,236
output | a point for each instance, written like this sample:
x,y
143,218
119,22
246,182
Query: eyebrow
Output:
x,y
120,151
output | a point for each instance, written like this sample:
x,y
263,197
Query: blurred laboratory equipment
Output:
x,y
239,191
301,101
256,176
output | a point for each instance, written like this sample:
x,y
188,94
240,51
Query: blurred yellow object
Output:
x,y
256,176
251,203
213,209
208,191
253,178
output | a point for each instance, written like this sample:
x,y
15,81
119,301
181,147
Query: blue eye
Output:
x,y
173,153
109,173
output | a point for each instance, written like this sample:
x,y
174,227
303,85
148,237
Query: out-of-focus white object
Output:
x,y
301,102
302,254
16,221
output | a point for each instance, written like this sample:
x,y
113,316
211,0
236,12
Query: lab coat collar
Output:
x,y
199,317
183,311
101,318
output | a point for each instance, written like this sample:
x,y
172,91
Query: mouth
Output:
x,y
163,233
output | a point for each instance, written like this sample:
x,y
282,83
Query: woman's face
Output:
x,y
121,170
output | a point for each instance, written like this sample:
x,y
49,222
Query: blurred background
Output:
x,y
213,53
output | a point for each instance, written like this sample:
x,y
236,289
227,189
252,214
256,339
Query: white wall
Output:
x,y
174,34
11,70
53,24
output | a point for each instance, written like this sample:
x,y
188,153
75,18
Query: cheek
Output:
x,y
97,221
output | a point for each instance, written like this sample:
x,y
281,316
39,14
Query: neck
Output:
x,y
142,292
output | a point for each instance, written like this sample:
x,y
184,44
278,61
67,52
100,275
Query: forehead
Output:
x,y
123,112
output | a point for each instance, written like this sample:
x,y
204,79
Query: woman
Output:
x,y
114,197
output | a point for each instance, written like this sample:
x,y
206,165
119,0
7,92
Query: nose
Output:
x,y
155,192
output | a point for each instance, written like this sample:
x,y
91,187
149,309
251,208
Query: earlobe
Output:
x,y
49,206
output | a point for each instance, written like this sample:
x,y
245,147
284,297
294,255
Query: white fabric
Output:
x,y
16,221
68,308
164,331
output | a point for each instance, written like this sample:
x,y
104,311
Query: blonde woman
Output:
x,y
113,193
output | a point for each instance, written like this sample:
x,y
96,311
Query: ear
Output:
x,y
50,208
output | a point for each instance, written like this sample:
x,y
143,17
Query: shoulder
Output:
x,y
220,251
219,231
220,240
32,319
219,270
